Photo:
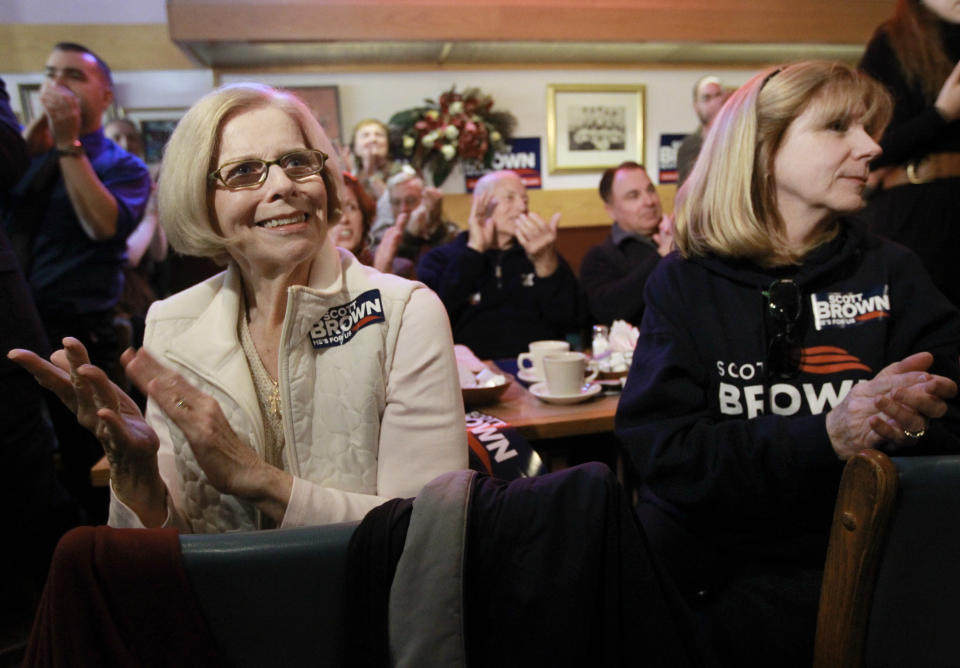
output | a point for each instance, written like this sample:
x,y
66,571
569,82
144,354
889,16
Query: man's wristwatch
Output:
x,y
75,150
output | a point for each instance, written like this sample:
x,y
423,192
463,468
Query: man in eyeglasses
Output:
x,y
614,273
69,217
416,210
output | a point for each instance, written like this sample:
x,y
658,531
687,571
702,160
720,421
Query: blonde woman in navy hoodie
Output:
x,y
779,341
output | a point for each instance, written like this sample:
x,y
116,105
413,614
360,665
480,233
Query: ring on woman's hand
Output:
x,y
915,434
183,404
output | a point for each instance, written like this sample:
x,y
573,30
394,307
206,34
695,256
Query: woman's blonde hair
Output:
x,y
728,204
185,190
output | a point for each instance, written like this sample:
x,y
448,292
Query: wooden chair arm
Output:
x,y
865,501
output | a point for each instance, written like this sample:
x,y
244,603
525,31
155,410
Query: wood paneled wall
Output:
x,y
579,208
583,222
141,46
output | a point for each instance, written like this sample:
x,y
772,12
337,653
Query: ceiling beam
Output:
x,y
724,21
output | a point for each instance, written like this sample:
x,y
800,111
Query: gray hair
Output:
x,y
487,181
406,173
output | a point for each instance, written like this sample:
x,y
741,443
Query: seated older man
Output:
x,y
502,281
416,211
614,273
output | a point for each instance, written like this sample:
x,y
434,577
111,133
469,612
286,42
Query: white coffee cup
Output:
x,y
535,357
566,373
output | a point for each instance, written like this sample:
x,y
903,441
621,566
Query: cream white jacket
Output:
x,y
365,420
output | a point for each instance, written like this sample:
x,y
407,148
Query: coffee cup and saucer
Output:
x,y
567,380
534,358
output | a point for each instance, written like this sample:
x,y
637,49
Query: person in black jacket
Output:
x,y
614,272
916,55
776,344
502,281
27,440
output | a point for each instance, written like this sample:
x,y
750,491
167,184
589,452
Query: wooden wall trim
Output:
x,y
820,21
125,46
578,207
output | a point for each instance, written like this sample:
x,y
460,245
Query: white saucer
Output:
x,y
539,390
529,376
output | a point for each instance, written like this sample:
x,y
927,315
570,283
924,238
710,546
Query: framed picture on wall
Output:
x,y
324,102
30,106
593,126
156,126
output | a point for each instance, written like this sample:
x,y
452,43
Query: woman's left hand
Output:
x,y
886,409
908,409
231,465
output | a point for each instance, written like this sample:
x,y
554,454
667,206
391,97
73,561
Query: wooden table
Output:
x,y
100,473
563,434
535,419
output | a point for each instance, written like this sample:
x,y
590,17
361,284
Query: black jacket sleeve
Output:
x,y
455,272
13,149
932,325
916,128
613,291
559,297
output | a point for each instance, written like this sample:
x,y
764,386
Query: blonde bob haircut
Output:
x,y
728,204
185,192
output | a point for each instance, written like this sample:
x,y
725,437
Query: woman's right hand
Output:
x,y
902,397
948,100
129,443
100,406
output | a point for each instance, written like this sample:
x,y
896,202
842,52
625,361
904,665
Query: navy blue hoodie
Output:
x,y
738,473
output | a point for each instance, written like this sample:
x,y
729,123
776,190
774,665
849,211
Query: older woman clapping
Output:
x,y
297,387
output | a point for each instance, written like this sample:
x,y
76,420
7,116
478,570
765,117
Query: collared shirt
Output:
x,y
70,273
618,235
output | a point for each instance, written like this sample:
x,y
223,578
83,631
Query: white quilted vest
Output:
x,y
332,397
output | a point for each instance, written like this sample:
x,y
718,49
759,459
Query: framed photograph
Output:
x,y
324,102
591,127
30,106
156,126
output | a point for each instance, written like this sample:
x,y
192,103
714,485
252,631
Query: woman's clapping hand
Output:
x,y
892,408
129,443
230,464
100,406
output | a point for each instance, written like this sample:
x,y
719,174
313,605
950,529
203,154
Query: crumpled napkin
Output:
x,y
620,344
623,336
472,372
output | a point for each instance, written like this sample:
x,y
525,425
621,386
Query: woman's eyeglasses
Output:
x,y
784,307
250,173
